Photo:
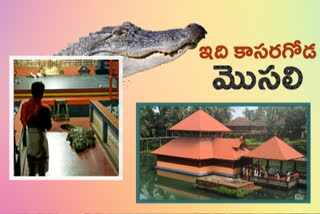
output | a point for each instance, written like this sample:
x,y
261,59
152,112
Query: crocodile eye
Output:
x,y
119,32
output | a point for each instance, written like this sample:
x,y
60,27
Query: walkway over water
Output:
x,y
218,181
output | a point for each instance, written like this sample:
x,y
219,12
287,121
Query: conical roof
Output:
x,y
200,121
274,149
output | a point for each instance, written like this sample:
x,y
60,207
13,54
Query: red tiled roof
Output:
x,y
240,121
203,148
243,121
260,123
274,149
200,121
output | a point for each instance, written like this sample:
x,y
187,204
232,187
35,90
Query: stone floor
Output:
x,y
64,161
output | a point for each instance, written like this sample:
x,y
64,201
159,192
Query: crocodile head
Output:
x,y
141,49
80,138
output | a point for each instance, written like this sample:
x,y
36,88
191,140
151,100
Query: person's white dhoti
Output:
x,y
37,151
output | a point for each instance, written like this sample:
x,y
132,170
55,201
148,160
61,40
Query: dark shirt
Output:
x,y
40,120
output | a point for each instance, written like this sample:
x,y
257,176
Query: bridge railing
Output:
x,y
283,184
106,127
20,144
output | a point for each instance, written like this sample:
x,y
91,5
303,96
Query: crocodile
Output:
x,y
80,138
141,49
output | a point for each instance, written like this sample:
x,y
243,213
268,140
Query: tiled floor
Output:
x,y
77,121
64,161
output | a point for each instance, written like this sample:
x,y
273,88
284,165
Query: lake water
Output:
x,y
153,187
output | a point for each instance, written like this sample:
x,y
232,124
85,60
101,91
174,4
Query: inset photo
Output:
x,y
223,152
66,118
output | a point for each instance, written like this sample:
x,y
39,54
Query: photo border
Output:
x,y
11,119
139,105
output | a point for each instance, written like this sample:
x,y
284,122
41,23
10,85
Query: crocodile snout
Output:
x,y
197,32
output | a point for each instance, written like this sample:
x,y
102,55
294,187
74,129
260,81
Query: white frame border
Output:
x,y
11,119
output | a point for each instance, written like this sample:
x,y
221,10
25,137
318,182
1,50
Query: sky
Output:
x,y
238,111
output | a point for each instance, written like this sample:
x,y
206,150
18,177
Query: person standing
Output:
x,y
247,173
288,176
36,120
278,176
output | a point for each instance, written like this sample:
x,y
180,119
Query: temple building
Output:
x,y
200,150
244,125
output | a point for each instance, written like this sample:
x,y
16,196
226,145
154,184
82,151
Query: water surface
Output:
x,y
153,187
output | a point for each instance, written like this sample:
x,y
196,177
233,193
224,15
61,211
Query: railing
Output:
x,y
106,127
113,74
16,157
275,183
20,142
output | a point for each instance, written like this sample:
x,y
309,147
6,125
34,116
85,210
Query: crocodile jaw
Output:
x,y
141,49
133,65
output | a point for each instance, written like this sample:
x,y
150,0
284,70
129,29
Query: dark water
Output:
x,y
153,187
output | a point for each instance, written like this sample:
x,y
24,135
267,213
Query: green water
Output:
x,y
153,187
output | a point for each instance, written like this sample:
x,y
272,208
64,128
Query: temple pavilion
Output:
x,y
277,150
200,150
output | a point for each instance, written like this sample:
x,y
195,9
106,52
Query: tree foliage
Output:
x,y
295,119
156,120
